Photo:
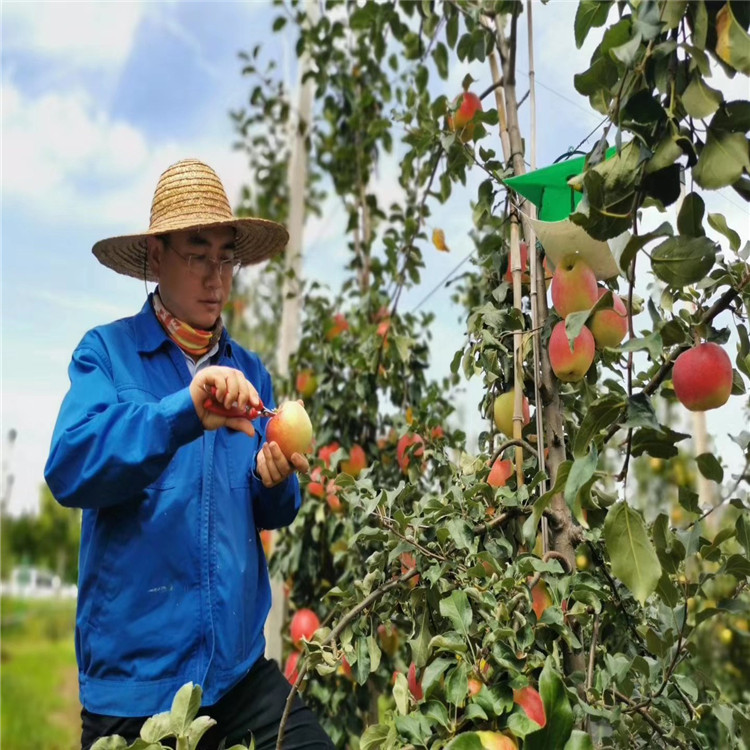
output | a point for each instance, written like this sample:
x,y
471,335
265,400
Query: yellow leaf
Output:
x,y
409,415
438,239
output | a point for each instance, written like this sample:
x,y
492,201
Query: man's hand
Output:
x,y
232,389
273,467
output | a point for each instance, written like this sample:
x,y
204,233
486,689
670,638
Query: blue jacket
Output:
x,y
173,583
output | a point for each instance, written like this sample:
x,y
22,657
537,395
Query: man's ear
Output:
x,y
154,251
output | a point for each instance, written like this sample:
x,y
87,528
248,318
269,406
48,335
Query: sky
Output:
x,y
98,98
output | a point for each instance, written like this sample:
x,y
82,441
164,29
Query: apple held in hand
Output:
x,y
462,122
609,327
574,287
571,364
702,377
503,412
303,626
290,428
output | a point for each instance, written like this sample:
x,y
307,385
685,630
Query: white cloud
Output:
x,y
84,34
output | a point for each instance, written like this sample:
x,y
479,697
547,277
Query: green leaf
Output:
x,y
465,741
641,412
598,417
680,261
401,693
722,160
672,13
634,560
658,443
733,116
521,725
719,223
115,742
185,706
589,14
461,533
636,242
709,466
580,740
737,566
440,55
420,646
456,608
198,728
433,672
699,99
159,727
580,473
557,709
374,737
414,727
457,684
733,42
742,527
361,669
690,218
627,53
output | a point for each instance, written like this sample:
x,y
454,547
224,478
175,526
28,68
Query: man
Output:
x,y
173,583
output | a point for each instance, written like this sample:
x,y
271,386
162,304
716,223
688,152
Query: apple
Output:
x,y
357,461
500,473
315,485
574,286
496,741
415,686
346,668
266,540
403,454
326,452
474,686
290,668
306,383
304,624
531,702
610,326
525,274
437,433
383,327
570,365
702,377
333,500
389,638
290,428
409,562
336,326
462,121
540,599
503,412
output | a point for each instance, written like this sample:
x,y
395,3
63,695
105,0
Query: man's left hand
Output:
x,y
273,466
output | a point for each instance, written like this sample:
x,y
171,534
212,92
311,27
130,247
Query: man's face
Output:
x,y
191,284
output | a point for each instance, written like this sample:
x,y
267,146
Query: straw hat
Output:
x,y
189,195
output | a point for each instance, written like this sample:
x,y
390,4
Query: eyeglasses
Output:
x,y
201,265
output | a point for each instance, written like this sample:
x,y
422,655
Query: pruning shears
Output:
x,y
249,412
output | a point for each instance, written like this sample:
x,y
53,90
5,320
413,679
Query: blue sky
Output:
x,y
98,98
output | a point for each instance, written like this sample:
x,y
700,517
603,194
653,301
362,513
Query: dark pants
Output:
x,y
251,709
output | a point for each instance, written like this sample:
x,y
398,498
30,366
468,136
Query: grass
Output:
x,y
38,679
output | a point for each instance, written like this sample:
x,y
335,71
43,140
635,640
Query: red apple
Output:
x,y
306,383
409,562
402,450
266,540
574,287
332,498
462,122
290,668
346,669
702,377
610,326
315,486
357,461
474,686
389,638
571,364
290,428
503,412
500,473
336,326
415,685
326,452
437,433
304,624
496,741
531,702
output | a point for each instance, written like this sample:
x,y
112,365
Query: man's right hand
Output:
x,y
232,389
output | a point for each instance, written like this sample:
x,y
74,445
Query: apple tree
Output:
x,y
585,598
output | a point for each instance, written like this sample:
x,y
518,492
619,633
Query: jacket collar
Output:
x,y
150,336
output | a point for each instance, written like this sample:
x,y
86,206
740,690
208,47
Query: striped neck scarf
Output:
x,y
193,341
